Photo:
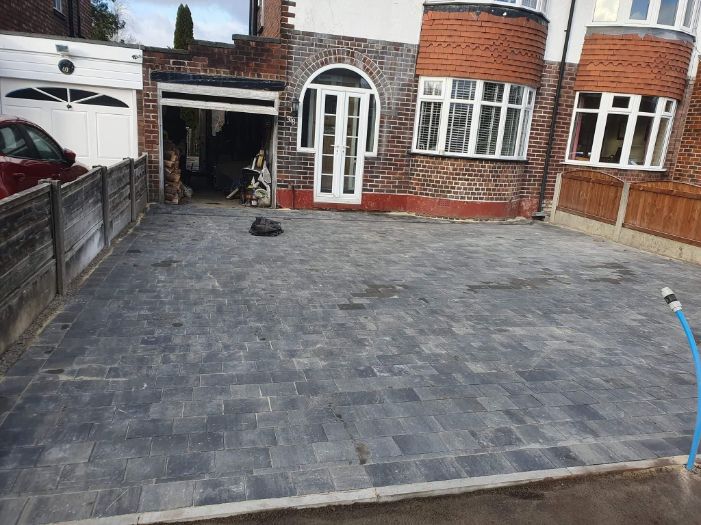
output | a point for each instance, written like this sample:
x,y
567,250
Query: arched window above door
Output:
x,y
345,78
71,96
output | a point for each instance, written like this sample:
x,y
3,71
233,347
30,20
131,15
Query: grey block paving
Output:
x,y
365,351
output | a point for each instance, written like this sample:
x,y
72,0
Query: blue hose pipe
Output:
x,y
676,307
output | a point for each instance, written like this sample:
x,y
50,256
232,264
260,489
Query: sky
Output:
x,y
152,22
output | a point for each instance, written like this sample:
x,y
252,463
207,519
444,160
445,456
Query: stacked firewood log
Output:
x,y
171,171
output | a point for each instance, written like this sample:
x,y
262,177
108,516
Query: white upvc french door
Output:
x,y
340,151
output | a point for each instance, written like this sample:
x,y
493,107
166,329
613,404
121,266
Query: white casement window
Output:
x,y
473,118
622,131
58,5
535,5
677,14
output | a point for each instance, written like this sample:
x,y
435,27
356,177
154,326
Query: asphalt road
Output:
x,y
666,496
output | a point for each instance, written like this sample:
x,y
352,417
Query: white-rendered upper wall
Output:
x,y
37,58
558,14
400,21
391,20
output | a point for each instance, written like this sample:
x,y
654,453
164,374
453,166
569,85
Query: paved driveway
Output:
x,y
200,365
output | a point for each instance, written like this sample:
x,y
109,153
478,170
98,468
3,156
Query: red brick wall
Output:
x,y
86,19
688,162
633,64
540,128
38,16
483,44
270,18
466,179
247,58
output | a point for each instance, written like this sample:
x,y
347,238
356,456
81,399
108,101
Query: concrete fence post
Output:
x,y
58,230
106,207
132,189
556,197
622,208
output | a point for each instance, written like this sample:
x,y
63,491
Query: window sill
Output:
x,y
636,26
59,14
468,157
350,201
601,165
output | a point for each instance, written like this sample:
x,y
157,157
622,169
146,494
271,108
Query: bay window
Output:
x,y
535,5
473,118
625,131
678,14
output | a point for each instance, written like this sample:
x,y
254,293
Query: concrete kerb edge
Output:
x,y
375,495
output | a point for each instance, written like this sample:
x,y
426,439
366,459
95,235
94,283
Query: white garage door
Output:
x,y
99,124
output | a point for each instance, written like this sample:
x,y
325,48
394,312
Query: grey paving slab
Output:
x,y
220,490
52,509
367,351
115,502
10,509
165,496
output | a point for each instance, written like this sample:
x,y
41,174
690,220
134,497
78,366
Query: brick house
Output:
x,y
69,18
446,108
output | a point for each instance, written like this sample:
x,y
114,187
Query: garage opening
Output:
x,y
218,149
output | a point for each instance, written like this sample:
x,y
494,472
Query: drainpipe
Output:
x,y
71,29
80,29
253,18
540,214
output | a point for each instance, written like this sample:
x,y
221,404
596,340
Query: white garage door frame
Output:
x,y
206,92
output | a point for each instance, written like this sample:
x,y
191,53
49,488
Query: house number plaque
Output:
x,y
66,66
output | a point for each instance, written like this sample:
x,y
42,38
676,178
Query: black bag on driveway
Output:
x,y
263,227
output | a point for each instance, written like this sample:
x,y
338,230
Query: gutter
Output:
x,y
540,214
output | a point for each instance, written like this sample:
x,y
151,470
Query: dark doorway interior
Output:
x,y
215,147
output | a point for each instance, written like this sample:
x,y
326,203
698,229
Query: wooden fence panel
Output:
x,y
666,209
140,183
83,231
591,194
51,233
119,196
27,260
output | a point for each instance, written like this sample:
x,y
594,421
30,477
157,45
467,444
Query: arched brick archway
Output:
x,y
349,57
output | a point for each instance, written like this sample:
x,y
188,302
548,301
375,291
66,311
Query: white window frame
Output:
x,y
526,107
58,5
309,84
541,5
633,111
623,18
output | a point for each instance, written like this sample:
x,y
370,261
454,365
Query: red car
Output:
x,y
29,154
